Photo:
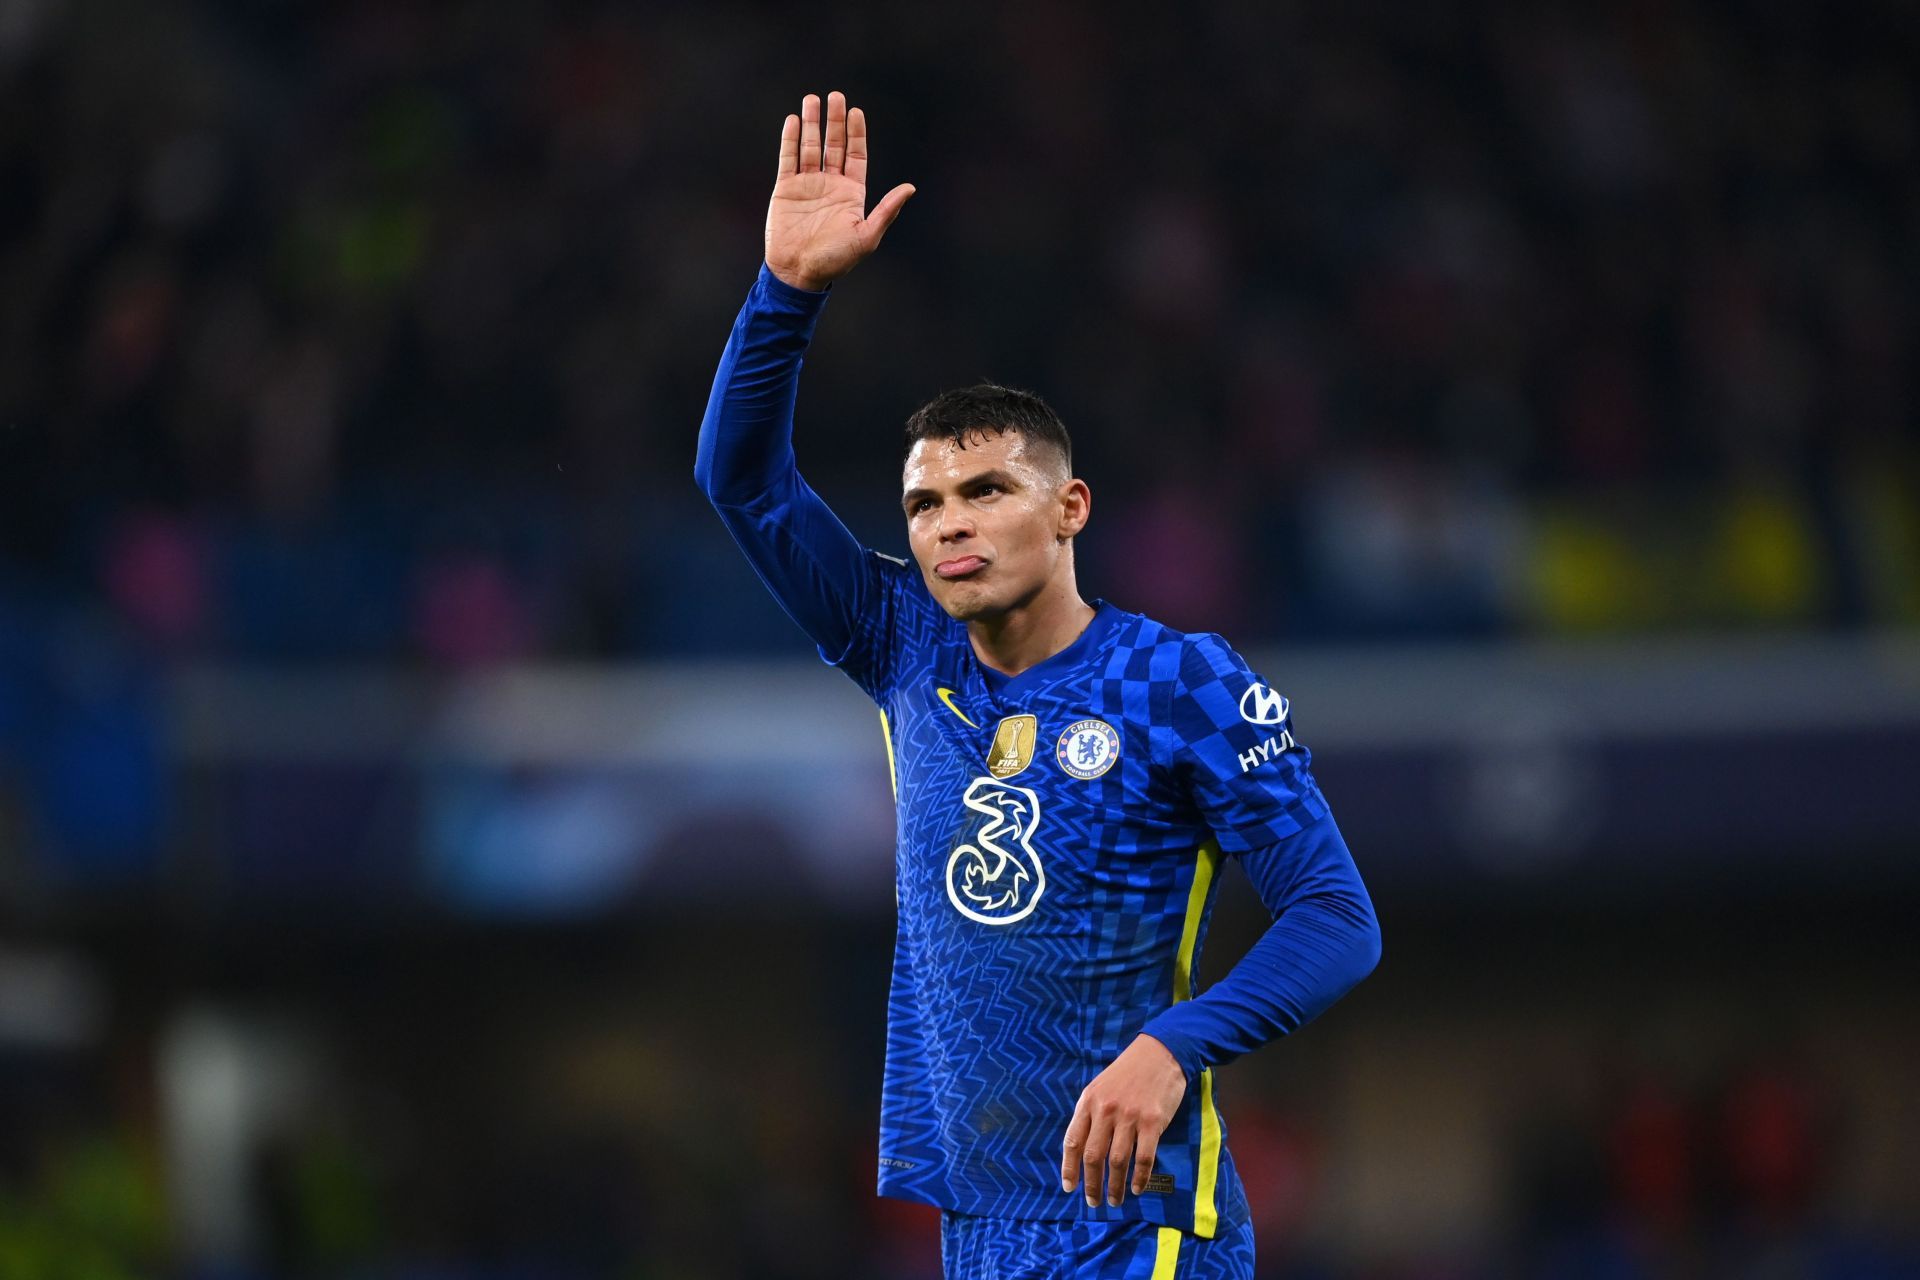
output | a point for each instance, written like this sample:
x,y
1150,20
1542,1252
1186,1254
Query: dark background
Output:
x,y
425,850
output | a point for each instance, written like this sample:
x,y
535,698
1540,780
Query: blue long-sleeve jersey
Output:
x,y
1059,838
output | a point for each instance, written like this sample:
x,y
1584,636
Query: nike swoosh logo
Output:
x,y
946,696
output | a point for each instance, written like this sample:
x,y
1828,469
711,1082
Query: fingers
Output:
x,y
1102,1142
1093,1160
885,212
1119,1155
1143,1156
836,155
810,133
1076,1142
790,146
857,146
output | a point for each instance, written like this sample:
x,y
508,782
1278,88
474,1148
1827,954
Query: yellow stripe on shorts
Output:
x,y
1166,1253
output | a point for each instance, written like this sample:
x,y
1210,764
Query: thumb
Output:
x,y
885,212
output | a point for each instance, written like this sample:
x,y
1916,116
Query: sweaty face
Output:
x,y
988,522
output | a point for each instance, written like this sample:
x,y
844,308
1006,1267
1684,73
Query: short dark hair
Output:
x,y
988,406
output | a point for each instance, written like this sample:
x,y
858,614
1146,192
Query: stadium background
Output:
x,y
426,851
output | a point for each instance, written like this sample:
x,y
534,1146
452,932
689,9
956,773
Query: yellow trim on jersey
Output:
x,y
1206,1216
946,696
1166,1253
1204,866
886,731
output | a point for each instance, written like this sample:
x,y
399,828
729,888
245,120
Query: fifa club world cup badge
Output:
x,y
1012,749
1088,748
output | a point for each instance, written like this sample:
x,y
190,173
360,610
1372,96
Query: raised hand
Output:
x,y
818,228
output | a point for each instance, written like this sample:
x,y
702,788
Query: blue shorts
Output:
x,y
973,1248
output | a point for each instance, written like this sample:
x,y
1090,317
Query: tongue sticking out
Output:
x,y
959,568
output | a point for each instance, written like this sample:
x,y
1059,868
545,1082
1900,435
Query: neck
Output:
x,y
1034,631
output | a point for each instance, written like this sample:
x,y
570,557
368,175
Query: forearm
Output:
x,y
1324,941
746,437
807,558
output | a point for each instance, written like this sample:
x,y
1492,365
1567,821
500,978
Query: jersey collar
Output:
x,y
1008,689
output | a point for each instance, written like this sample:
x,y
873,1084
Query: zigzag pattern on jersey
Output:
x,y
913,1160
993,1029
968,1000
910,1123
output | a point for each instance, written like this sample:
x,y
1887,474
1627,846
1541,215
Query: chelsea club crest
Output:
x,y
1088,748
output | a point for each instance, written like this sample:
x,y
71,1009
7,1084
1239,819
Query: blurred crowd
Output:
x,y
374,331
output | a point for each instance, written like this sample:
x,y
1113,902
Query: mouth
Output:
x,y
959,567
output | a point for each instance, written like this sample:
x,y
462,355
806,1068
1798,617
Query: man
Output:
x,y
1068,776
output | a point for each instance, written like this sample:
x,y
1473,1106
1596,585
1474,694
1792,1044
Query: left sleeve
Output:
x,y
1323,941
1234,753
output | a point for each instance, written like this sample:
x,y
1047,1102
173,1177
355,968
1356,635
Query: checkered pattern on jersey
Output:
x,y
995,1026
1248,798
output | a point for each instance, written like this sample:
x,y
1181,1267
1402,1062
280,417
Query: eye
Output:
x,y
986,488
919,505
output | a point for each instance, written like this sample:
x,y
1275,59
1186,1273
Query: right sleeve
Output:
x,y
825,580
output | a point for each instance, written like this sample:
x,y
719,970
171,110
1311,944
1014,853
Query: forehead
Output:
x,y
933,462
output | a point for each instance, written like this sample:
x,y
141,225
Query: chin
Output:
x,y
964,602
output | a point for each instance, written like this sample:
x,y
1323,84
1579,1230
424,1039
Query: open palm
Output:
x,y
818,228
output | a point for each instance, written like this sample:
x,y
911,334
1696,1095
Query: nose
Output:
x,y
954,524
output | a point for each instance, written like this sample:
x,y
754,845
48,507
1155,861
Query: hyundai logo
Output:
x,y
1261,705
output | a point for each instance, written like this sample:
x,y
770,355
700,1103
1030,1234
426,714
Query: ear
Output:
x,y
1076,504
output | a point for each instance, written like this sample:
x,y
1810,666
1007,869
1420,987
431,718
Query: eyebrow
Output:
x,y
992,476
